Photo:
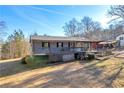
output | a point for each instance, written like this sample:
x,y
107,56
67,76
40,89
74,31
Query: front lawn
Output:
x,y
114,70
95,73
12,66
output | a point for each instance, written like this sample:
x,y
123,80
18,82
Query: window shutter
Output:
x,y
49,44
68,44
42,44
62,44
57,44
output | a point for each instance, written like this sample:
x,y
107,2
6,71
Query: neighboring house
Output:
x,y
120,40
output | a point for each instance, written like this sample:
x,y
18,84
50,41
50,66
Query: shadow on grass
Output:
x,y
65,77
113,77
12,67
82,76
74,79
53,75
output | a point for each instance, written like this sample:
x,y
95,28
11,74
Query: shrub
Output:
x,y
91,56
23,60
37,60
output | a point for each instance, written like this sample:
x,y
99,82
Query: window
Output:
x,y
59,44
121,38
86,45
45,44
70,44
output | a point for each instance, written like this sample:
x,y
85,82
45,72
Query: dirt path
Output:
x,y
108,73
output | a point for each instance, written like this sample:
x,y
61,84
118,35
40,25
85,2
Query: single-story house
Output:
x,y
120,40
57,44
60,48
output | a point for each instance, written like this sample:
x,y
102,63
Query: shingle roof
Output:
x,y
58,38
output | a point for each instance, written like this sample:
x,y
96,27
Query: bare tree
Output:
x,y
90,29
87,24
16,45
2,33
71,28
118,11
118,26
119,29
2,28
86,28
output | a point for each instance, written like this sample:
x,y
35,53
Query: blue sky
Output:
x,y
49,19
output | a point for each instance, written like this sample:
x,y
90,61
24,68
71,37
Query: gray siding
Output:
x,y
65,44
38,49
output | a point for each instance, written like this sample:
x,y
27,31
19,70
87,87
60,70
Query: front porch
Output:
x,y
58,47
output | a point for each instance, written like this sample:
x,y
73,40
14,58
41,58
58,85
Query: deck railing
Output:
x,y
58,50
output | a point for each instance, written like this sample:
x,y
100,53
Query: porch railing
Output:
x,y
58,50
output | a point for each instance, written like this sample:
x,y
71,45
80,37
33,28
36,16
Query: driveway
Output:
x,y
77,74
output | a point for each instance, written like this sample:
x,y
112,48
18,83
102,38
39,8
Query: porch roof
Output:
x,y
107,42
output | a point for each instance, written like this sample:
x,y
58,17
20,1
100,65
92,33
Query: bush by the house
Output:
x,y
23,60
91,56
37,60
